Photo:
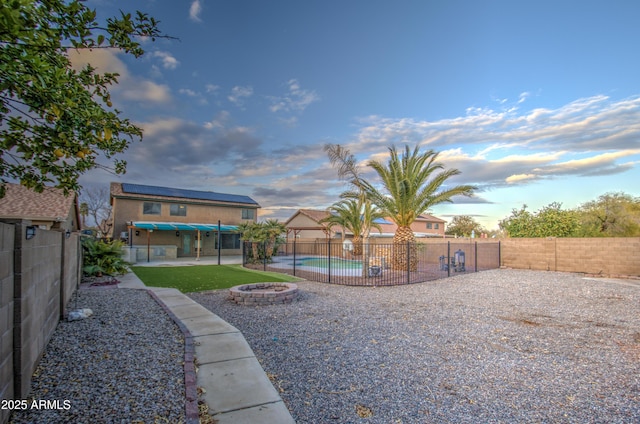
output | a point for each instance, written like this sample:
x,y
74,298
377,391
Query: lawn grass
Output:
x,y
189,279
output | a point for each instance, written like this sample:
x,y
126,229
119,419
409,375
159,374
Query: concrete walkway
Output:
x,y
236,388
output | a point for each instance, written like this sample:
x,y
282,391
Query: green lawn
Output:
x,y
204,277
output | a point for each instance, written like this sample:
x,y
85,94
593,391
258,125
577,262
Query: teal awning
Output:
x,y
181,226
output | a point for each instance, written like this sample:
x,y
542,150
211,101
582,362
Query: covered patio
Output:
x,y
161,241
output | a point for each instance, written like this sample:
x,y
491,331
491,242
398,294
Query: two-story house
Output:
x,y
165,223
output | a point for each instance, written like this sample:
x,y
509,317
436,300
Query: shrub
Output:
x,y
102,257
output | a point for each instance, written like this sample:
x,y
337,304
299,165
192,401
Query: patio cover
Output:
x,y
181,226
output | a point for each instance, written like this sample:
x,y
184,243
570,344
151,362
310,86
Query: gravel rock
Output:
x,y
124,364
497,346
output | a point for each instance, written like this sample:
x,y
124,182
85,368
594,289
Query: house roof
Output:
x,y
318,215
315,215
127,190
21,202
429,218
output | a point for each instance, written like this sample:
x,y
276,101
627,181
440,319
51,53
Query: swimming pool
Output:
x,y
336,263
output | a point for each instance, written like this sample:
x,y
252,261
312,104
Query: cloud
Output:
x,y
296,99
520,177
586,137
211,88
129,87
194,11
239,94
147,91
168,61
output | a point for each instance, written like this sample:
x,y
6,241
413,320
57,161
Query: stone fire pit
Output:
x,y
263,293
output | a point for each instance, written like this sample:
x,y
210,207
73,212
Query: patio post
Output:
x,y
219,245
294,256
198,246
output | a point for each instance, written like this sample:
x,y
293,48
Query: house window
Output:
x,y
247,213
436,226
178,210
229,241
151,208
429,226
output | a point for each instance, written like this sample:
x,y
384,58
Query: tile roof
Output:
x,y
158,192
21,202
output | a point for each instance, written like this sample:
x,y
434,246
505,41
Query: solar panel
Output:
x,y
184,193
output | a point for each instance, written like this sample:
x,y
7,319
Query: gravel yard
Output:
x,y
124,364
495,346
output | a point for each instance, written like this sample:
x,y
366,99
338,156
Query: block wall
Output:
x,y
37,271
605,256
6,315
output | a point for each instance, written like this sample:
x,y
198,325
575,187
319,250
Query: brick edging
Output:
x,y
190,387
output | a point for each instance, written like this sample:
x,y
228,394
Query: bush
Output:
x,y
102,257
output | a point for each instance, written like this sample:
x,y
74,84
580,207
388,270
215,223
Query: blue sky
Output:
x,y
533,101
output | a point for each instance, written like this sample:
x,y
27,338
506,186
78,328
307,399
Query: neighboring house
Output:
x,y
424,226
163,222
49,210
305,223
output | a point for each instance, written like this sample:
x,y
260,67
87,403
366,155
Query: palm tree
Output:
x,y
272,229
412,184
356,216
84,211
254,233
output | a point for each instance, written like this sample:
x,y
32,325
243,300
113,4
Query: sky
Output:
x,y
533,102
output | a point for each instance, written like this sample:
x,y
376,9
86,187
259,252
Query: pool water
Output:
x,y
336,263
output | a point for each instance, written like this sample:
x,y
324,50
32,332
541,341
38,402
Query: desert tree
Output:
x,y
56,120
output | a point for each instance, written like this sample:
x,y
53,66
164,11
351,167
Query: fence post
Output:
x,y
448,259
475,260
408,262
329,258
264,252
294,256
499,254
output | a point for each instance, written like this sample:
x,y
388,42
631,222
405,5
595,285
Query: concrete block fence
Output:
x,y
37,279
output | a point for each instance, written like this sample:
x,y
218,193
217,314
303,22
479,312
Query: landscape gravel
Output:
x,y
124,364
498,346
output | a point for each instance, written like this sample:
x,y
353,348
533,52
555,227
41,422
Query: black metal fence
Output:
x,y
373,264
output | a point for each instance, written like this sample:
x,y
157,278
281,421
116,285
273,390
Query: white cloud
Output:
x,y
194,11
239,94
168,61
147,91
495,148
520,178
296,99
211,88
129,87
219,121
